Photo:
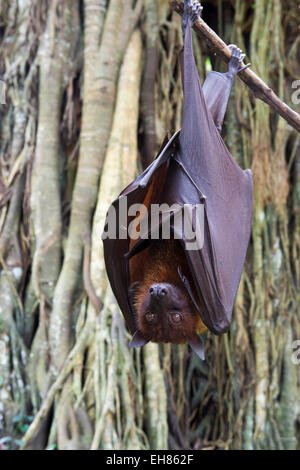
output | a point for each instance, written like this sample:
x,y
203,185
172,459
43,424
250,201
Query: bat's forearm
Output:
x,y
260,89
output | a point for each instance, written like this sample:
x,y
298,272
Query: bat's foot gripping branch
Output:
x,y
237,57
191,12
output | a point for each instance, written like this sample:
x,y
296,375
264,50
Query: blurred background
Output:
x,y
92,87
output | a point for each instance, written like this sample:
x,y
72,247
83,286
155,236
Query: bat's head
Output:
x,y
164,313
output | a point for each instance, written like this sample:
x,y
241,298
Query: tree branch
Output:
x,y
259,88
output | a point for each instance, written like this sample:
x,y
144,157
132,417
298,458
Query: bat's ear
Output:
x,y
138,340
197,345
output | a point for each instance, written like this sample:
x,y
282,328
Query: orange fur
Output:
x,y
137,263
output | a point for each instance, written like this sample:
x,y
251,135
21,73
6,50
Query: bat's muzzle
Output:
x,y
158,291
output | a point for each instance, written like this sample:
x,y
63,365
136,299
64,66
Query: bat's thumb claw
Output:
x,y
244,68
138,340
197,345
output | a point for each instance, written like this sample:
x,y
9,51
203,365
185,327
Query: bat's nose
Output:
x,y
158,290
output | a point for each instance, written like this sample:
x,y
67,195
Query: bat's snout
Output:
x,y
158,290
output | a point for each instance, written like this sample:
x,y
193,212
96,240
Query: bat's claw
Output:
x,y
192,10
195,9
244,68
237,57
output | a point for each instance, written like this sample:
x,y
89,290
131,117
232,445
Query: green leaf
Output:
x,y
208,66
18,418
23,427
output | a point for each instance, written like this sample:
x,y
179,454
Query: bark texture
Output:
x,y
92,88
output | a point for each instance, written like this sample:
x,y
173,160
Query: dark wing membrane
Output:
x,y
216,90
198,164
142,190
228,195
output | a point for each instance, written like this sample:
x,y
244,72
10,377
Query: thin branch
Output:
x,y
259,88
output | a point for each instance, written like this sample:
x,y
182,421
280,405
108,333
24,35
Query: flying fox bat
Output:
x,y
168,289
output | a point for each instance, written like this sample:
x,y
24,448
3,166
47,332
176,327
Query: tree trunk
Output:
x,y
89,84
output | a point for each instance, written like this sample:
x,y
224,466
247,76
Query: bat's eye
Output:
x,y
150,317
176,318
